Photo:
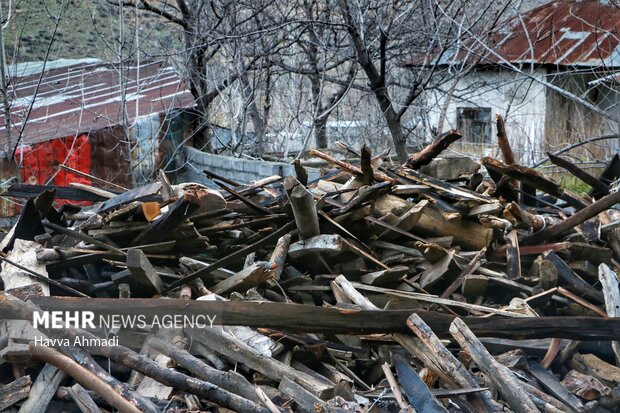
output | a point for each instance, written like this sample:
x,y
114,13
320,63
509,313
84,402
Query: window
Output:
x,y
475,124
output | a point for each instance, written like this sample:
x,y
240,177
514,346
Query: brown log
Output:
x,y
308,318
83,376
426,155
571,222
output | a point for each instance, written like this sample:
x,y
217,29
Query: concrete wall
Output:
x,y
237,169
521,100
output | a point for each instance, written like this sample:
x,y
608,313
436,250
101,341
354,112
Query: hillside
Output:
x,y
85,29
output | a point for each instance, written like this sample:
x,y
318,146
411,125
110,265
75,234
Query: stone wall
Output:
x,y
237,169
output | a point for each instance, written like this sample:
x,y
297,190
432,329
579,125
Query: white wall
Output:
x,y
518,98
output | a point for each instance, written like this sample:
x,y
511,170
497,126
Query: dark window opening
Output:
x,y
475,124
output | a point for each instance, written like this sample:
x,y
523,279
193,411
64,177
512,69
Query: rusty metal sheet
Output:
x,y
86,97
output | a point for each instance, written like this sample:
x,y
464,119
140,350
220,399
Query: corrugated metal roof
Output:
x,y
565,33
85,97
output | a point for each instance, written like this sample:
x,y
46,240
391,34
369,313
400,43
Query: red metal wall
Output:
x,y
39,163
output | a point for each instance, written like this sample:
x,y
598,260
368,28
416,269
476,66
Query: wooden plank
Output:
x,y
611,292
245,279
555,387
418,394
43,389
62,192
142,193
426,155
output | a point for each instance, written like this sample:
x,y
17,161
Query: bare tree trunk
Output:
x,y
3,82
320,132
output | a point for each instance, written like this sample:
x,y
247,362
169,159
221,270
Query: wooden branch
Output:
x,y
504,379
83,376
347,167
503,142
426,155
571,222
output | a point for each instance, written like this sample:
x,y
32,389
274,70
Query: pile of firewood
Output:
x,y
377,288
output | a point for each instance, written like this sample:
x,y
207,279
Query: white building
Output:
x,y
550,72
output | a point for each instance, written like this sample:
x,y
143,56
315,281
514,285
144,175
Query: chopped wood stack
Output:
x,y
377,288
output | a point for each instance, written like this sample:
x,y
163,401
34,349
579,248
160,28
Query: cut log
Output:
x,y
304,208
